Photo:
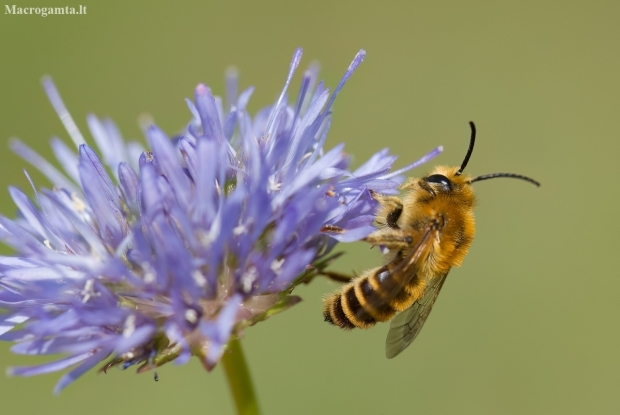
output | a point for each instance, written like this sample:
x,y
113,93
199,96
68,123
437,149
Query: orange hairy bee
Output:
x,y
426,233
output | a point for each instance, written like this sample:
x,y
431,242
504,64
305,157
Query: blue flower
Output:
x,y
141,257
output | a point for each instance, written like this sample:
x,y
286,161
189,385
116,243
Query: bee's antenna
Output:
x,y
494,175
470,150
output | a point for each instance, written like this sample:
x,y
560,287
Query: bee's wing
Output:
x,y
402,271
406,325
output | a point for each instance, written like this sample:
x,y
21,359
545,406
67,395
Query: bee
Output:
x,y
425,234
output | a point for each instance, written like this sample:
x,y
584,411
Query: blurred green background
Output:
x,y
529,324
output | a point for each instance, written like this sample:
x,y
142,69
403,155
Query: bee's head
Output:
x,y
451,181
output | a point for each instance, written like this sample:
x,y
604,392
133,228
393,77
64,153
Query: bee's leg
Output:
x,y
337,276
409,184
332,275
393,202
390,208
390,238
318,269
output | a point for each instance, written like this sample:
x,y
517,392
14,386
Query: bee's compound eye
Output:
x,y
438,178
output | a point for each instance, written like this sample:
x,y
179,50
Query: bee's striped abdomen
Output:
x,y
334,313
377,295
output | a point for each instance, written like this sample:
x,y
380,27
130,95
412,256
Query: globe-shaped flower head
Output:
x,y
141,257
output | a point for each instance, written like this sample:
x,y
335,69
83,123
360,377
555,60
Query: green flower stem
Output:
x,y
239,379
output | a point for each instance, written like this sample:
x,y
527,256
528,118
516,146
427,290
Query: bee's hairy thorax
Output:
x,y
453,210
